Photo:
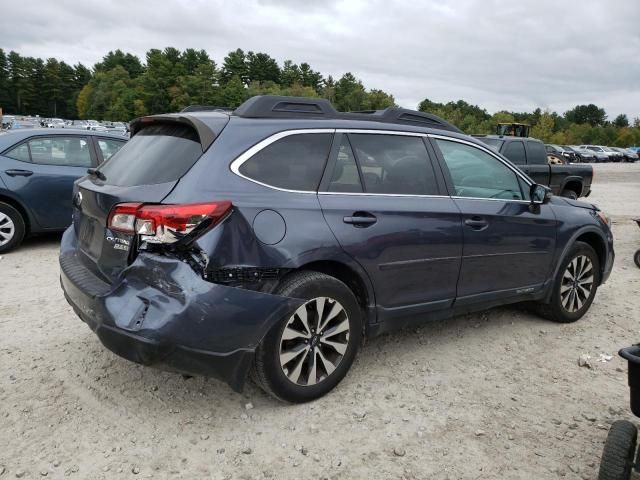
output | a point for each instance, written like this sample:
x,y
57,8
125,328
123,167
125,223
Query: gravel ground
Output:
x,y
486,396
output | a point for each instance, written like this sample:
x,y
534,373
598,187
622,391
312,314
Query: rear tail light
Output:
x,y
166,223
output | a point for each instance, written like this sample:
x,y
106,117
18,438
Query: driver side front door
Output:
x,y
508,248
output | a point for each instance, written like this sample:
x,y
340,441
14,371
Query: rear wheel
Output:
x,y
12,227
575,285
307,354
636,258
617,456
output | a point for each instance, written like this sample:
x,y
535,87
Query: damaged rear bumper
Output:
x,y
161,313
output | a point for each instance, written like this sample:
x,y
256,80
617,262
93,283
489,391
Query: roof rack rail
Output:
x,y
206,108
276,106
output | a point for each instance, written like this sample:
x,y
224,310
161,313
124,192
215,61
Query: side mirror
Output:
x,y
539,194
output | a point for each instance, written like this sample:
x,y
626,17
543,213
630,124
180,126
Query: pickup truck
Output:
x,y
530,155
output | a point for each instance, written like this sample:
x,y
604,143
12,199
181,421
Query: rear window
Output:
x,y
157,154
295,162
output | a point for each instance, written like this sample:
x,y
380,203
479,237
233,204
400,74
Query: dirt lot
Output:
x,y
493,395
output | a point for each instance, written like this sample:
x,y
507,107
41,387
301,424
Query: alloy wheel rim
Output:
x,y
314,341
577,283
7,229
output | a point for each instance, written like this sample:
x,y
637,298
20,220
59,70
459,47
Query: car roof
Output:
x,y
277,113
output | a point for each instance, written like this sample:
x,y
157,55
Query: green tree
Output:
x,y
4,81
235,65
52,87
129,62
350,94
233,93
543,130
83,101
590,114
290,73
621,121
379,100
262,68
310,78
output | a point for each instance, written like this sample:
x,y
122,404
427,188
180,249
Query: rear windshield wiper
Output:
x,y
97,173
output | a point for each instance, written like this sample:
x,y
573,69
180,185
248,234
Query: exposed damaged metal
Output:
x,y
239,276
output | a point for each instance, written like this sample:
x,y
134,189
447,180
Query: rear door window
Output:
x,y
60,150
295,162
156,154
514,151
394,164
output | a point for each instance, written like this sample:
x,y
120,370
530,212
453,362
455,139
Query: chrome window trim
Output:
x,y
237,163
371,194
242,158
526,202
490,152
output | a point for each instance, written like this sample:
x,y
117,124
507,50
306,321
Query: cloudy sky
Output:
x,y
509,54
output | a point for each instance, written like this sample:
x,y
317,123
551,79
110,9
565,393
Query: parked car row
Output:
x,y
592,153
11,122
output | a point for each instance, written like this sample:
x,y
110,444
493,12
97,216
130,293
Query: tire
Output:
x,y
569,194
636,258
617,455
12,227
569,302
295,380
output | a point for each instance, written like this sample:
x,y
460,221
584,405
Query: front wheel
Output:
x,y
308,353
574,286
12,227
636,258
617,456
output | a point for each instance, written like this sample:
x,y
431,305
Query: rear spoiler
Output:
x,y
207,128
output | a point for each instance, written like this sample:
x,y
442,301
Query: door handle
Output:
x,y
360,219
476,223
18,173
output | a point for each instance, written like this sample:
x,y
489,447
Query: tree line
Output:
x,y
121,87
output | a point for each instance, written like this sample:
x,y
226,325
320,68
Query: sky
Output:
x,y
516,55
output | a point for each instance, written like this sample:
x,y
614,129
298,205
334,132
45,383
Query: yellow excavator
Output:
x,y
513,129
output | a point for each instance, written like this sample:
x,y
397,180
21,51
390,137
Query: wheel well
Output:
x,y
595,242
345,274
19,208
574,186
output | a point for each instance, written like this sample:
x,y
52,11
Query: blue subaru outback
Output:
x,y
272,240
